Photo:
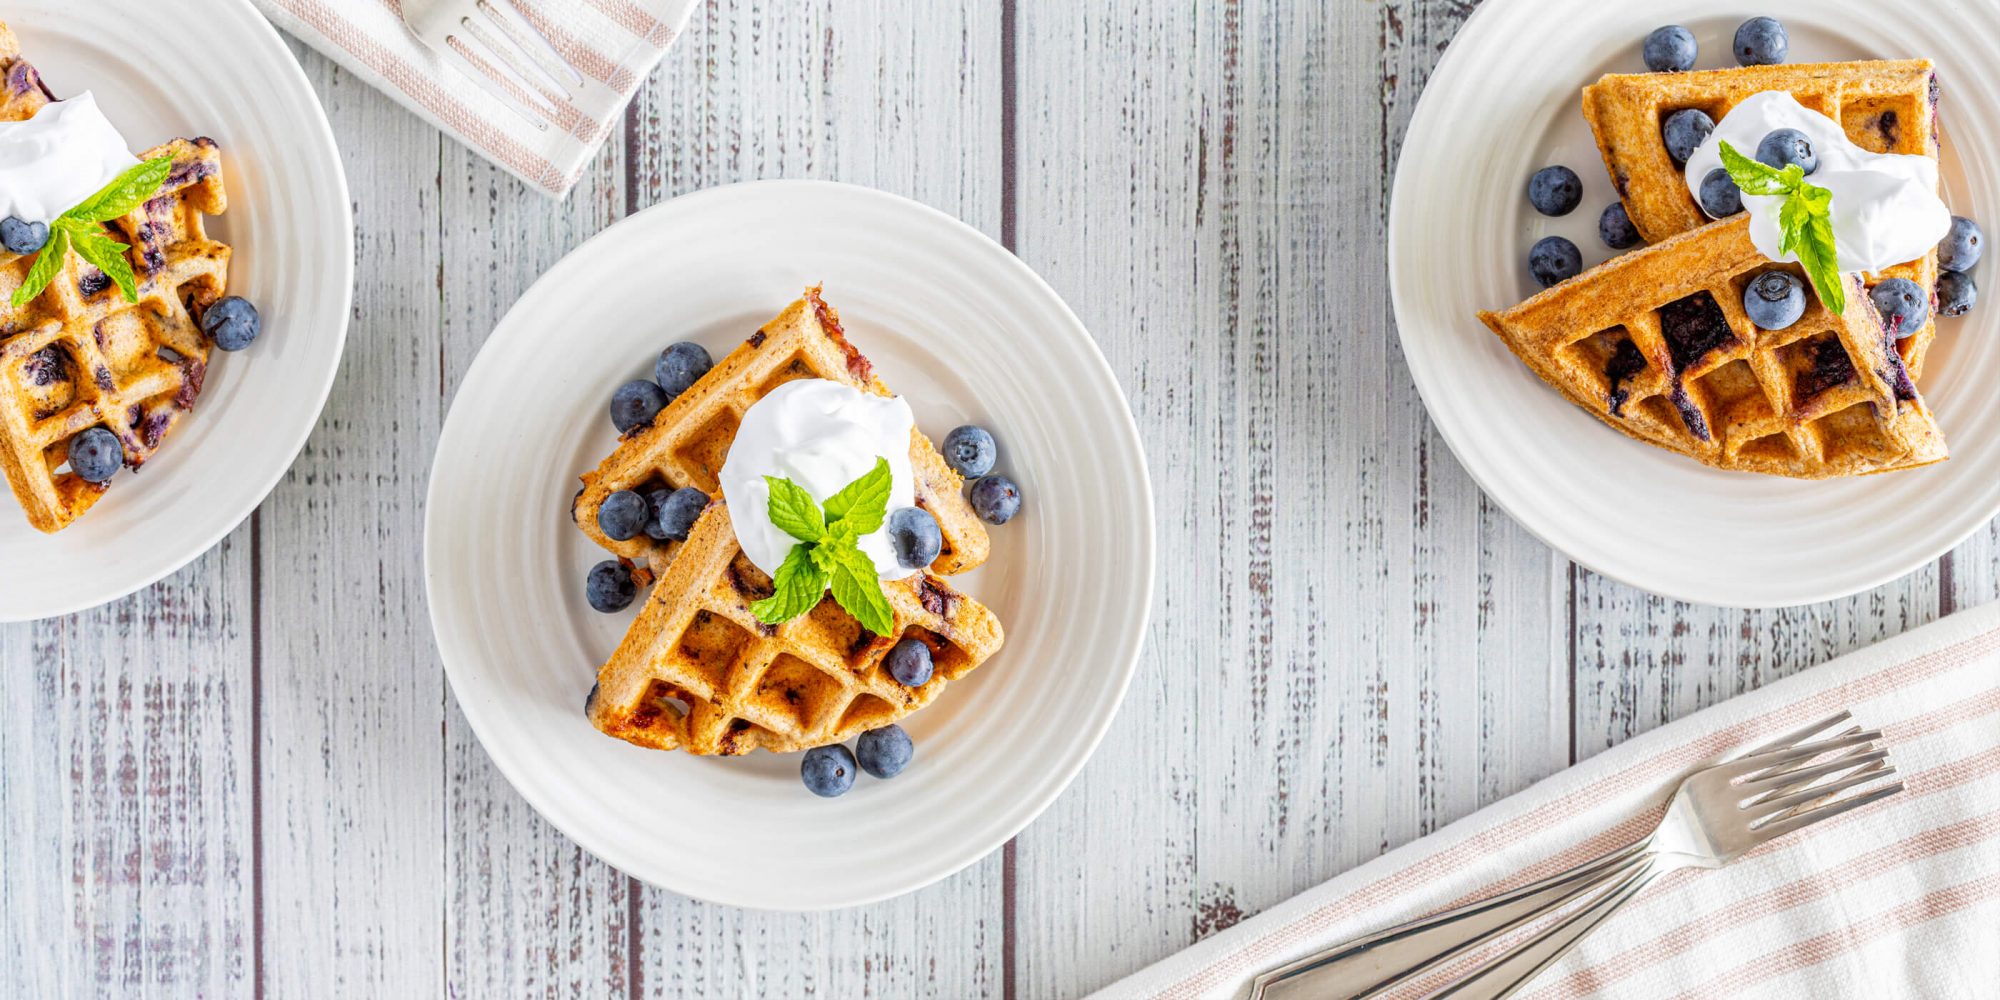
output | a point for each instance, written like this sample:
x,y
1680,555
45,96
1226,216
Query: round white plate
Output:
x,y
1503,103
965,332
160,73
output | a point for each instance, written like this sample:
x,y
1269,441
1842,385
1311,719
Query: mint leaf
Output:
x,y
1755,177
863,503
45,267
126,192
1814,246
857,589
796,588
106,253
1805,220
794,512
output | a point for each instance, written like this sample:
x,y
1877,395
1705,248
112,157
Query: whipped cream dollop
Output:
x,y
1885,206
821,435
54,160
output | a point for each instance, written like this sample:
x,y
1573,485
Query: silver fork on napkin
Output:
x,y
1715,815
527,73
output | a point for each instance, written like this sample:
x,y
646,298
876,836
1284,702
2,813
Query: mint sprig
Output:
x,y
81,229
828,553
1805,220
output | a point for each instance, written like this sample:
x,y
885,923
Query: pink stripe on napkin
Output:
x,y
1899,898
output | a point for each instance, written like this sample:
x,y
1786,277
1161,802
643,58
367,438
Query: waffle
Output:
x,y
1656,344
687,442
698,672
78,355
1885,107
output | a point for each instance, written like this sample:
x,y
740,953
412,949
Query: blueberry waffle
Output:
x,y
1884,106
698,672
686,443
79,356
1656,343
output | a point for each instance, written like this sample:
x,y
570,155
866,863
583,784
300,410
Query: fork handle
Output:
x,y
1365,965
1517,966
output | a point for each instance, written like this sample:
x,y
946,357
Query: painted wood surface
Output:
x,y
251,778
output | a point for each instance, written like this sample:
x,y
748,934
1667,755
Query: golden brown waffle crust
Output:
x,y
688,441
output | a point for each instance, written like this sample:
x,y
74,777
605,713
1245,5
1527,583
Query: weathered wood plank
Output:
x,y
1349,647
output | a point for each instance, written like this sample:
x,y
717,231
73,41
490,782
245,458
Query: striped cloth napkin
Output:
x,y
1900,898
612,43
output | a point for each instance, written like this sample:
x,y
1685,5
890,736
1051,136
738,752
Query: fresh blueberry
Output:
x,y
1903,305
828,771
970,451
680,366
996,499
95,455
1783,147
909,662
610,587
231,322
1761,41
1774,300
23,237
675,513
1720,197
1615,227
884,752
623,515
1960,248
1552,259
1555,190
913,533
636,403
1683,131
1955,293
1669,49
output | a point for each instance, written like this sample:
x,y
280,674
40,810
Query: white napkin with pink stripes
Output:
x,y
612,43
1896,899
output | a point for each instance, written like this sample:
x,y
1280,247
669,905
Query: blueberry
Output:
x,y
884,752
610,587
909,662
1684,131
1552,259
1955,293
1555,190
680,366
1615,227
1960,248
1903,305
970,451
231,322
1720,197
23,237
1761,41
635,404
1783,147
996,499
1774,300
913,533
675,513
623,515
95,455
828,771
1669,49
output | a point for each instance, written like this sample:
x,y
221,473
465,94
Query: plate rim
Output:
x,y
506,761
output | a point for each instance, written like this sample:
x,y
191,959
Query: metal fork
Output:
x,y
1715,815
521,67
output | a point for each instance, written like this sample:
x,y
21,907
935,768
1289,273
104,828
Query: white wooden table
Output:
x,y
251,779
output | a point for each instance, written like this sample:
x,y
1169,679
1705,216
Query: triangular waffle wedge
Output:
x,y
78,355
1656,344
687,442
1887,106
698,672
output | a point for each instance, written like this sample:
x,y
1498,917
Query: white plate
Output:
x,y
1502,104
160,73
956,325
